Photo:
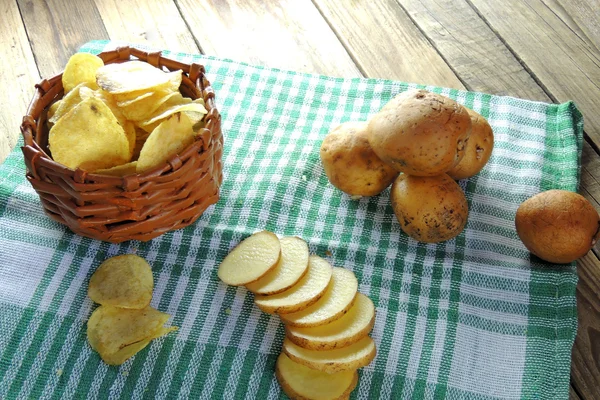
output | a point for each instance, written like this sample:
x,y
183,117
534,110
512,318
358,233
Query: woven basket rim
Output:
x,y
52,88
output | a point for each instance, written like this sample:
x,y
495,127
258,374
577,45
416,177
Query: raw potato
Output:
x,y
420,133
251,259
306,292
122,281
350,163
300,382
334,303
429,209
352,357
291,267
349,329
478,151
557,225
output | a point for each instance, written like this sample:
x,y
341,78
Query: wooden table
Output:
x,y
547,50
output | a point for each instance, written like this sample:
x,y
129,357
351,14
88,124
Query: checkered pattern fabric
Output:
x,y
474,317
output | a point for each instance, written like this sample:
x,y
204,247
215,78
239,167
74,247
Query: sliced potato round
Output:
x,y
122,281
251,259
111,329
352,357
292,266
349,329
307,291
300,382
334,303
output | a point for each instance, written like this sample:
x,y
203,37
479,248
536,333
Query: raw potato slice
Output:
x,y
292,266
307,291
251,259
300,382
122,281
349,329
352,357
334,303
111,329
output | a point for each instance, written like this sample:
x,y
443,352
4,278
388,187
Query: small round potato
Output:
x,y
479,148
429,209
557,225
351,165
420,133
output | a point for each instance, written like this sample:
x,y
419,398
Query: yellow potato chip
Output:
x,y
170,86
132,76
81,68
192,107
68,102
122,281
124,354
171,137
127,352
53,108
111,329
119,170
89,137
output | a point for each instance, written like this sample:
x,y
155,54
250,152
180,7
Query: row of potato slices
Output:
x,y
327,322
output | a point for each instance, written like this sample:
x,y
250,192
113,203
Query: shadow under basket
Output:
x,y
135,207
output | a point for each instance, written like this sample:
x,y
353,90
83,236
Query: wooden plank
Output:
x,y
385,43
565,64
289,34
573,394
155,23
18,76
585,367
475,53
584,14
57,28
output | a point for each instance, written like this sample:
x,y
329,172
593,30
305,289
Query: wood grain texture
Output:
x,y
155,23
57,28
385,43
472,49
288,34
565,64
18,76
573,394
585,15
585,368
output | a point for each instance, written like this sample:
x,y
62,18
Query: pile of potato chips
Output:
x,y
121,118
124,323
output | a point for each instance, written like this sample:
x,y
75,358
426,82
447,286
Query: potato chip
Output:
x,y
125,353
68,102
171,137
53,108
119,170
171,86
132,76
192,107
81,68
89,137
122,281
111,329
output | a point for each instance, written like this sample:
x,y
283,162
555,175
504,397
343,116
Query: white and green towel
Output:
x,y
472,318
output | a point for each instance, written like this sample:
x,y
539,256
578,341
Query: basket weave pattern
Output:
x,y
136,207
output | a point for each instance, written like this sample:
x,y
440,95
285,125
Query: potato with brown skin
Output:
x,y
420,133
351,165
557,225
429,209
479,148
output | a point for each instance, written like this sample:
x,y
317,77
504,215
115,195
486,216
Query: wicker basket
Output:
x,y
136,207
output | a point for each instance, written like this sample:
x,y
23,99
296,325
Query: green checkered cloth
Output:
x,y
474,317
